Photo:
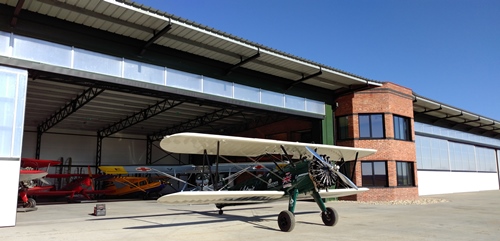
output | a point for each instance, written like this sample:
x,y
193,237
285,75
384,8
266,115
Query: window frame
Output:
x,y
371,125
342,132
405,121
407,180
374,182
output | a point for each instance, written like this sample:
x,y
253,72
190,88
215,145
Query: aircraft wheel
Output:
x,y
30,204
286,221
330,217
221,212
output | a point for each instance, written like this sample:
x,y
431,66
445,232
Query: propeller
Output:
x,y
45,181
90,178
324,173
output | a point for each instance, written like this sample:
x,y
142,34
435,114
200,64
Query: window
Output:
x,y
405,173
485,159
342,128
402,128
374,174
348,169
432,153
371,126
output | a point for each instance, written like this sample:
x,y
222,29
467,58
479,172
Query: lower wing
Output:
x,y
221,197
342,192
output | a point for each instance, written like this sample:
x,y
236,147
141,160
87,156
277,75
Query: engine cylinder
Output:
x,y
321,174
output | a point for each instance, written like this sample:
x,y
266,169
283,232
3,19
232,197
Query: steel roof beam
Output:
x,y
468,121
452,116
155,37
304,78
444,118
17,10
242,62
492,124
431,110
140,116
199,121
351,89
69,108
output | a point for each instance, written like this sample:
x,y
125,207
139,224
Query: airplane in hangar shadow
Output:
x,y
306,173
82,184
29,174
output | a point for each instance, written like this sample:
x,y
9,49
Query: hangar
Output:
x,y
101,82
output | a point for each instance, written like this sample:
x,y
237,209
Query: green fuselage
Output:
x,y
290,177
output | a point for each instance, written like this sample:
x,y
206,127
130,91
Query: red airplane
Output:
x,y
83,185
27,185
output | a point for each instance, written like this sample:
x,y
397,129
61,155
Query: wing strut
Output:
x,y
205,157
217,167
354,169
286,156
276,164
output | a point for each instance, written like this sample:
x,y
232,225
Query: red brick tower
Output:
x,y
380,118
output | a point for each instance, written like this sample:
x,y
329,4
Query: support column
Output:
x,y
328,126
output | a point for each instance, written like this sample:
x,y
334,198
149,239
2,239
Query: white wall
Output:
x,y
82,149
437,182
13,87
9,177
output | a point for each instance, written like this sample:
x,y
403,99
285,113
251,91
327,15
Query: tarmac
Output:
x,y
461,216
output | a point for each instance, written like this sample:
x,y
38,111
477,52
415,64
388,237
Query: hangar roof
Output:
x,y
467,120
152,26
155,27
50,99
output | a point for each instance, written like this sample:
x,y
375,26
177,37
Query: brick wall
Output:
x,y
389,99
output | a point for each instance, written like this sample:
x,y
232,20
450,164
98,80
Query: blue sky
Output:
x,y
446,50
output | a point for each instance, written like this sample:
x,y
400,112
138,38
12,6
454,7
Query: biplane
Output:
x,y
82,184
305,172
202,176
29,174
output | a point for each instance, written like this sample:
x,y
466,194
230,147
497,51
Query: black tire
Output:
x,y
221,212
286,221
330,217
30,204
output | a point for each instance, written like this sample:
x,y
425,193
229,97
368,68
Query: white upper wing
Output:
x,y
197,143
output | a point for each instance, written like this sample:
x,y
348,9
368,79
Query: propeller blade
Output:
x,y
346,180
91,179
45,181
343,177
317,156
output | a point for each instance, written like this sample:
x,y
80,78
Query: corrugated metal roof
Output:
x,y
141,22
440,111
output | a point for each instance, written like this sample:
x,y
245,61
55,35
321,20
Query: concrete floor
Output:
x,y
465,216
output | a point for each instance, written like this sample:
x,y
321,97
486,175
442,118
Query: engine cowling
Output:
x,y
322,174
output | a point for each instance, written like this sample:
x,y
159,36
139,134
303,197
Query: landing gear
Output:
x,y
329,217
286,221
220,206
31,203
